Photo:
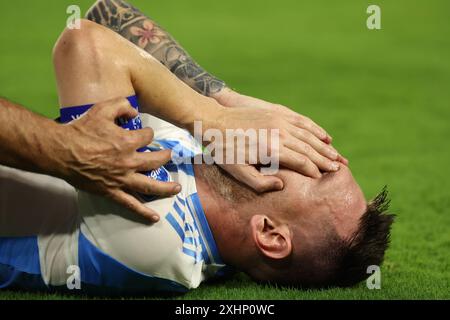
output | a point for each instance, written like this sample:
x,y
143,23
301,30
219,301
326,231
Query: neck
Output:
x,y
225,217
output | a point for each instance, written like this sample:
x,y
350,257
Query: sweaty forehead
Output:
x,y
344,199
335,197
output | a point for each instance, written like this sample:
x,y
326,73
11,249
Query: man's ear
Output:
x,y
272,239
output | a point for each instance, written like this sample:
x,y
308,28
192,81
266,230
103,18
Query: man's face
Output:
x,y
313,204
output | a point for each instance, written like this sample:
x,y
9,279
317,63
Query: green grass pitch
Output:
x,y
383,94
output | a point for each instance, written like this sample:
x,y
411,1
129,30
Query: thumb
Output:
x,y
251,177
116,108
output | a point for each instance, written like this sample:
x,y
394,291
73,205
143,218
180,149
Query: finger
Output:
x,y
251,177
306,123
142,137
343,160
328,139
132,204
152,160
298,162
320,161
318,145
143,184
116,108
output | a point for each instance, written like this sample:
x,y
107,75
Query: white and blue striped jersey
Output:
x,y
48,229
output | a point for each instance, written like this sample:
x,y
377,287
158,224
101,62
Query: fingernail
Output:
x,y
155,218
177,189
279,185
335,166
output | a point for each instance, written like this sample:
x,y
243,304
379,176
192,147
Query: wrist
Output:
x,y
52,150
207,111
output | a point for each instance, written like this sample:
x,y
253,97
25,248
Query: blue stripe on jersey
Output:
x,y
19,263
183,152
200,214
171,167
197,210
186,168
22,253
189,240
100,270
189,228
71,113
179,211
100,273
190,253
175,225
196,239
181,200
204,254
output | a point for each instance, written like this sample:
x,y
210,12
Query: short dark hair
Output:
x,y
366,246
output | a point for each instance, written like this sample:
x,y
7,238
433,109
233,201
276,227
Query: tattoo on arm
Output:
x,y
133,25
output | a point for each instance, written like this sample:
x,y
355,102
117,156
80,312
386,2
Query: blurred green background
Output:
x,y
384,95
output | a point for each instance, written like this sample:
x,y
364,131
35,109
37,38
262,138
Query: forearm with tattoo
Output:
x,y
133,25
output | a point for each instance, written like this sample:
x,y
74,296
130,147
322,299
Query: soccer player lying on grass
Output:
x,y
314,232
